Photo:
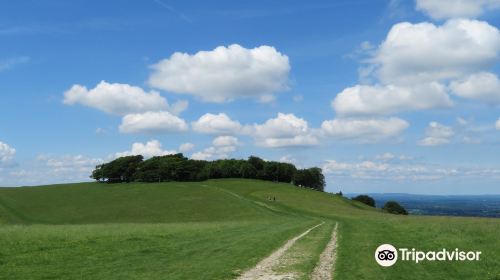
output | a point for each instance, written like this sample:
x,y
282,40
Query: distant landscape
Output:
x,y
443,205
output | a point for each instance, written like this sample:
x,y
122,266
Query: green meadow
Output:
x,y
217,229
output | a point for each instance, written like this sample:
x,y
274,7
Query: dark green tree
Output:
x,y
257,162
270,171
98,173
368,200
394,208
119,170
286,172
177,167
310,178
248,171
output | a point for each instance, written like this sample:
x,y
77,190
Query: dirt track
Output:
x,y
326,265
264,269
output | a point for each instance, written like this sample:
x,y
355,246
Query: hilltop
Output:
x,y
217,229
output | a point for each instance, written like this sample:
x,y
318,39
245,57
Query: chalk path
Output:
x,y
264,269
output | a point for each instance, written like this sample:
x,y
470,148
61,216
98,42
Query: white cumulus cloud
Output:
x,y
224,74
442,9
225,141
120,99
390,99
186,147
483,86
497,124
437,134
222,147
414,64
7,153
285,130
364,130
216,124
153,123
149,149
423,52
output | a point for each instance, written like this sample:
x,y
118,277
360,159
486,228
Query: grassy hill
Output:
x,y
215,230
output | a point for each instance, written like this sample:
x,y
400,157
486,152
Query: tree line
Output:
x,y
391,206
177,167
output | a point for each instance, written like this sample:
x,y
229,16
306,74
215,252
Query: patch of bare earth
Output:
x,y
326,265
264,269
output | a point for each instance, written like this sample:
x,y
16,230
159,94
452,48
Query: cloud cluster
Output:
x,y
186,147
153,123
50,169
7,153
414,63
424,52
220,124
149,149
224,141
286,130
289,130
365,130
222,147
224,74
482,86
443,9
437,134
77,163
143,112
116,99
404,171
373,170
416,67
390,99
65,168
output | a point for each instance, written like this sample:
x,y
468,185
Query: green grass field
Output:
x,y
217,229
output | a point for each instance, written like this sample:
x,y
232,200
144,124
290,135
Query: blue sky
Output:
x,y
385,96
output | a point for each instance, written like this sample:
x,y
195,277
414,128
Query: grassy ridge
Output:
x,y
136,231
90,203
232,225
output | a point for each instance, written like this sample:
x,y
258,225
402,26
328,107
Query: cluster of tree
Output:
x,y
368,200
390,206
179,168
394,208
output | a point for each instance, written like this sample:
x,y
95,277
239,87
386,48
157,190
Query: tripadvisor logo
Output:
x,y
387,255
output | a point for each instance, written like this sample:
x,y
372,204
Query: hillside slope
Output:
x,y
215,230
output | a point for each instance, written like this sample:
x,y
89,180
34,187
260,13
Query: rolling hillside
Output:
x,y
218,229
